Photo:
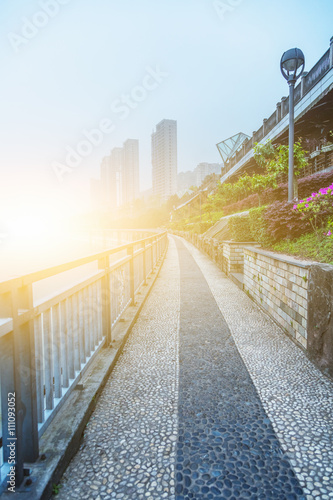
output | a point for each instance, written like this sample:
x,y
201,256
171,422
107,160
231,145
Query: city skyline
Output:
x,y
195,73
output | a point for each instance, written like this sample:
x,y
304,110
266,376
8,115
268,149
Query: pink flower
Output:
x,y
307,205
294,207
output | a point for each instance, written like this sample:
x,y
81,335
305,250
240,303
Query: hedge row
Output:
x,y
239,228
306,187
258,226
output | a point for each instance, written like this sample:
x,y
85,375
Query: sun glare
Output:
x,y
36,237
28,227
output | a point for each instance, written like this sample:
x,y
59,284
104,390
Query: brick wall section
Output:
x,y
234,254
279,284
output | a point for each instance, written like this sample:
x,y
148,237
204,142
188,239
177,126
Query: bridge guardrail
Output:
x,y
45,348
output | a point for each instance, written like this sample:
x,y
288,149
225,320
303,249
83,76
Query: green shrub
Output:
x,y
240,228
307,247
200,227
258,226
284,222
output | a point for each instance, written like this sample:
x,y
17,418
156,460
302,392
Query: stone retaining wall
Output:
x,y
280,286
298,295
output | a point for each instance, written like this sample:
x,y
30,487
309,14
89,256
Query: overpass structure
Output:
x,y
313,123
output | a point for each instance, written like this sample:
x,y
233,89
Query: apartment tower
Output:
x,y
164,159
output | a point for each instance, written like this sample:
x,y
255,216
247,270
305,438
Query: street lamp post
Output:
x,y
292,66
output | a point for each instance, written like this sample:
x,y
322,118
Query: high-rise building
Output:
x,y
164,158
119,184
130,171
111,178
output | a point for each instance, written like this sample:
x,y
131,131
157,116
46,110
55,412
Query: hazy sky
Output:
x,y
212,66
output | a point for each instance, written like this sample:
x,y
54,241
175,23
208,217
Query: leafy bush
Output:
x,y
317,209
284,222
239,227
258,226
306,186
242,205
199,227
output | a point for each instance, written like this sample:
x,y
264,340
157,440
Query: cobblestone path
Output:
x,y
297,397
253,417
226,447
129,445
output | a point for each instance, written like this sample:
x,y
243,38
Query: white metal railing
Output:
x,y
45,348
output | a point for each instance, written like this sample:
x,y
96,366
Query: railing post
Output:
x,y
39,368
57,353
106,300
81,327
7,393
64,344
130,251
70,338
152,254
144,264
27,449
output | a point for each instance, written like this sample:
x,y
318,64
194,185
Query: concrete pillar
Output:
x,y
264,126
244,144
303,83
278,112
254,137
283,106
331,52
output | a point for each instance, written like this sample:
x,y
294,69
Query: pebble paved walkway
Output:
x,y
129,445
253,417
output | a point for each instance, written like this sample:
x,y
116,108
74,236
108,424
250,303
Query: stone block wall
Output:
x,y
280,286
320,316
297,295
233,252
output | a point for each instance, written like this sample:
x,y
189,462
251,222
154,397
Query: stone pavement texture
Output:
x,y
242,414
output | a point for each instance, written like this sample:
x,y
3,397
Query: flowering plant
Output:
x,y
329,233
317,209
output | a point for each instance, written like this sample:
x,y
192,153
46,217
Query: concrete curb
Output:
x,y
62,438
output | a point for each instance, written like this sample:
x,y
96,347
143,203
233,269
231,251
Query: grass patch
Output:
x,y
307,247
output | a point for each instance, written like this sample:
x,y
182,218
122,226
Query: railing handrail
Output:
x,y
47,346
48,272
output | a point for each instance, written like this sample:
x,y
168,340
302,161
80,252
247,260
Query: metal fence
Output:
x,y
45,348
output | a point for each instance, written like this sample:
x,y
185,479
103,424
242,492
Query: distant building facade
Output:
x,y
185,180
130,171
164,159
111,179
204,169
119,184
